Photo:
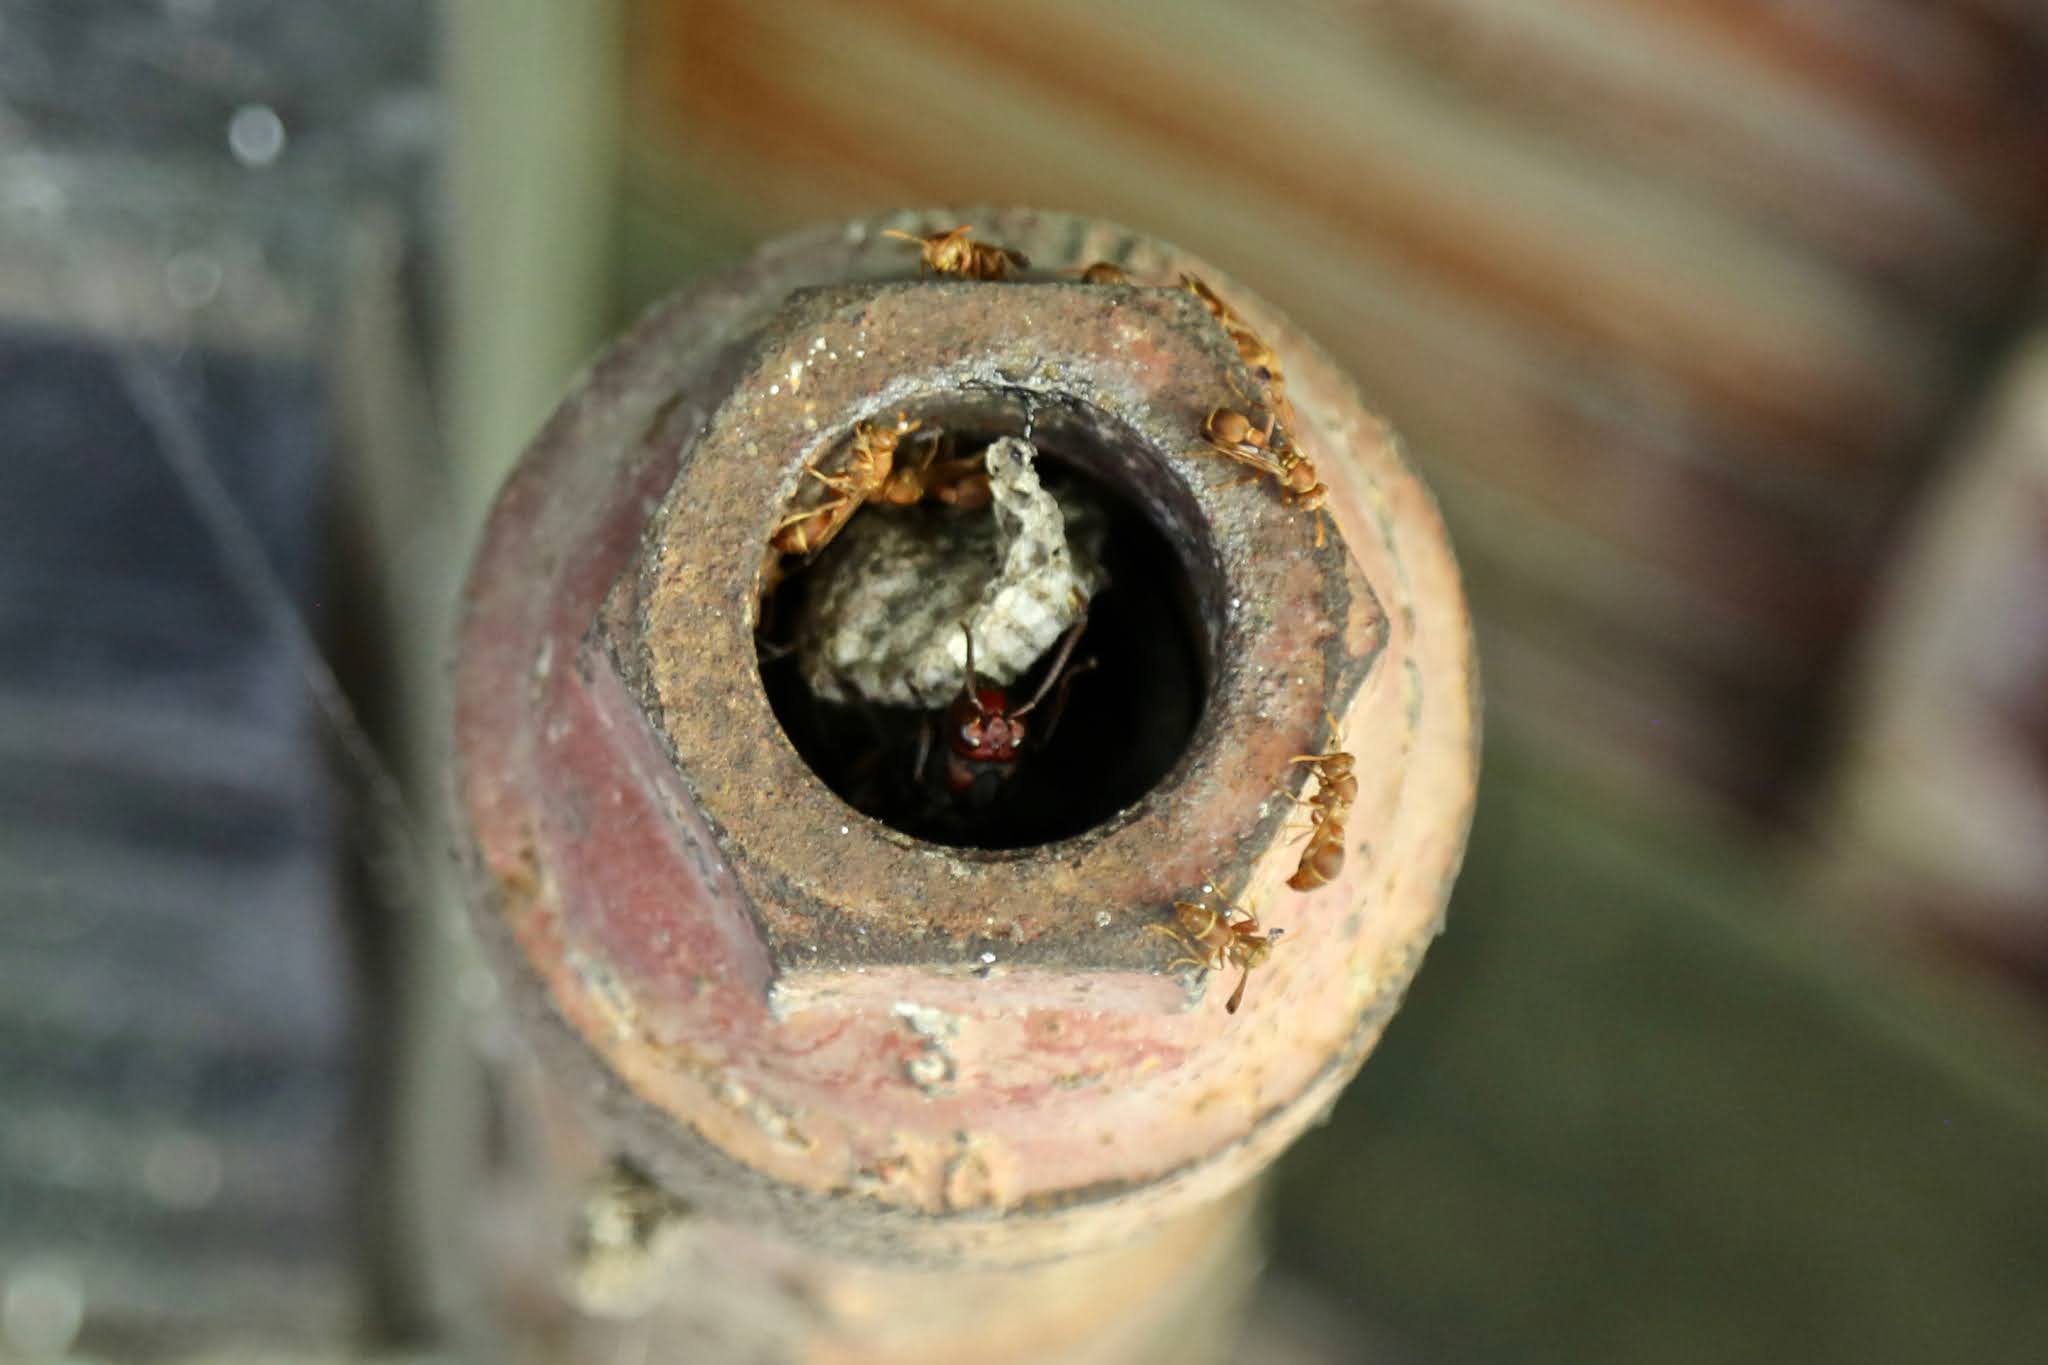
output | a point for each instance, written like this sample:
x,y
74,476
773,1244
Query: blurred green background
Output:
x,y
1643,1106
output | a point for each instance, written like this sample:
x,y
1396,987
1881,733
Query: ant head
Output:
x,y
981,727
981,724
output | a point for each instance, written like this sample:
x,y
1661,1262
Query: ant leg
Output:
x,y
841,483
924,750
1260,468
1180,941
1295,833
972,696
794,517
1059,701
1059,664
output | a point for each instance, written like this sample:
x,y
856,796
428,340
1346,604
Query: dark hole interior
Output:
x,y
1125,722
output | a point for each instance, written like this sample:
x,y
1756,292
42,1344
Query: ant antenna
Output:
x,y
1059,701
973,697
1059,664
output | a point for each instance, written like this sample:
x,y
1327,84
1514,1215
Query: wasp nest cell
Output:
x,y
1075,607
900,594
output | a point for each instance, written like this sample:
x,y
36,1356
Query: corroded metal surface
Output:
x,y
890,1047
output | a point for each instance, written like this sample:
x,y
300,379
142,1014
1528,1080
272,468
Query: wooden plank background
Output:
x,y
1674,299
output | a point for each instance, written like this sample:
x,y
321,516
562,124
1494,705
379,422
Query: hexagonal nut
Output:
x,y
892,1047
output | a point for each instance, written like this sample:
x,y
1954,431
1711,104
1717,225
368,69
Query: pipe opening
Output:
x,y
903,743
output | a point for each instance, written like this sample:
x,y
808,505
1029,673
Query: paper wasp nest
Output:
x,y
883,621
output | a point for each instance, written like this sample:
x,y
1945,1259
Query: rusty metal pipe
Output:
x,y
885,1051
